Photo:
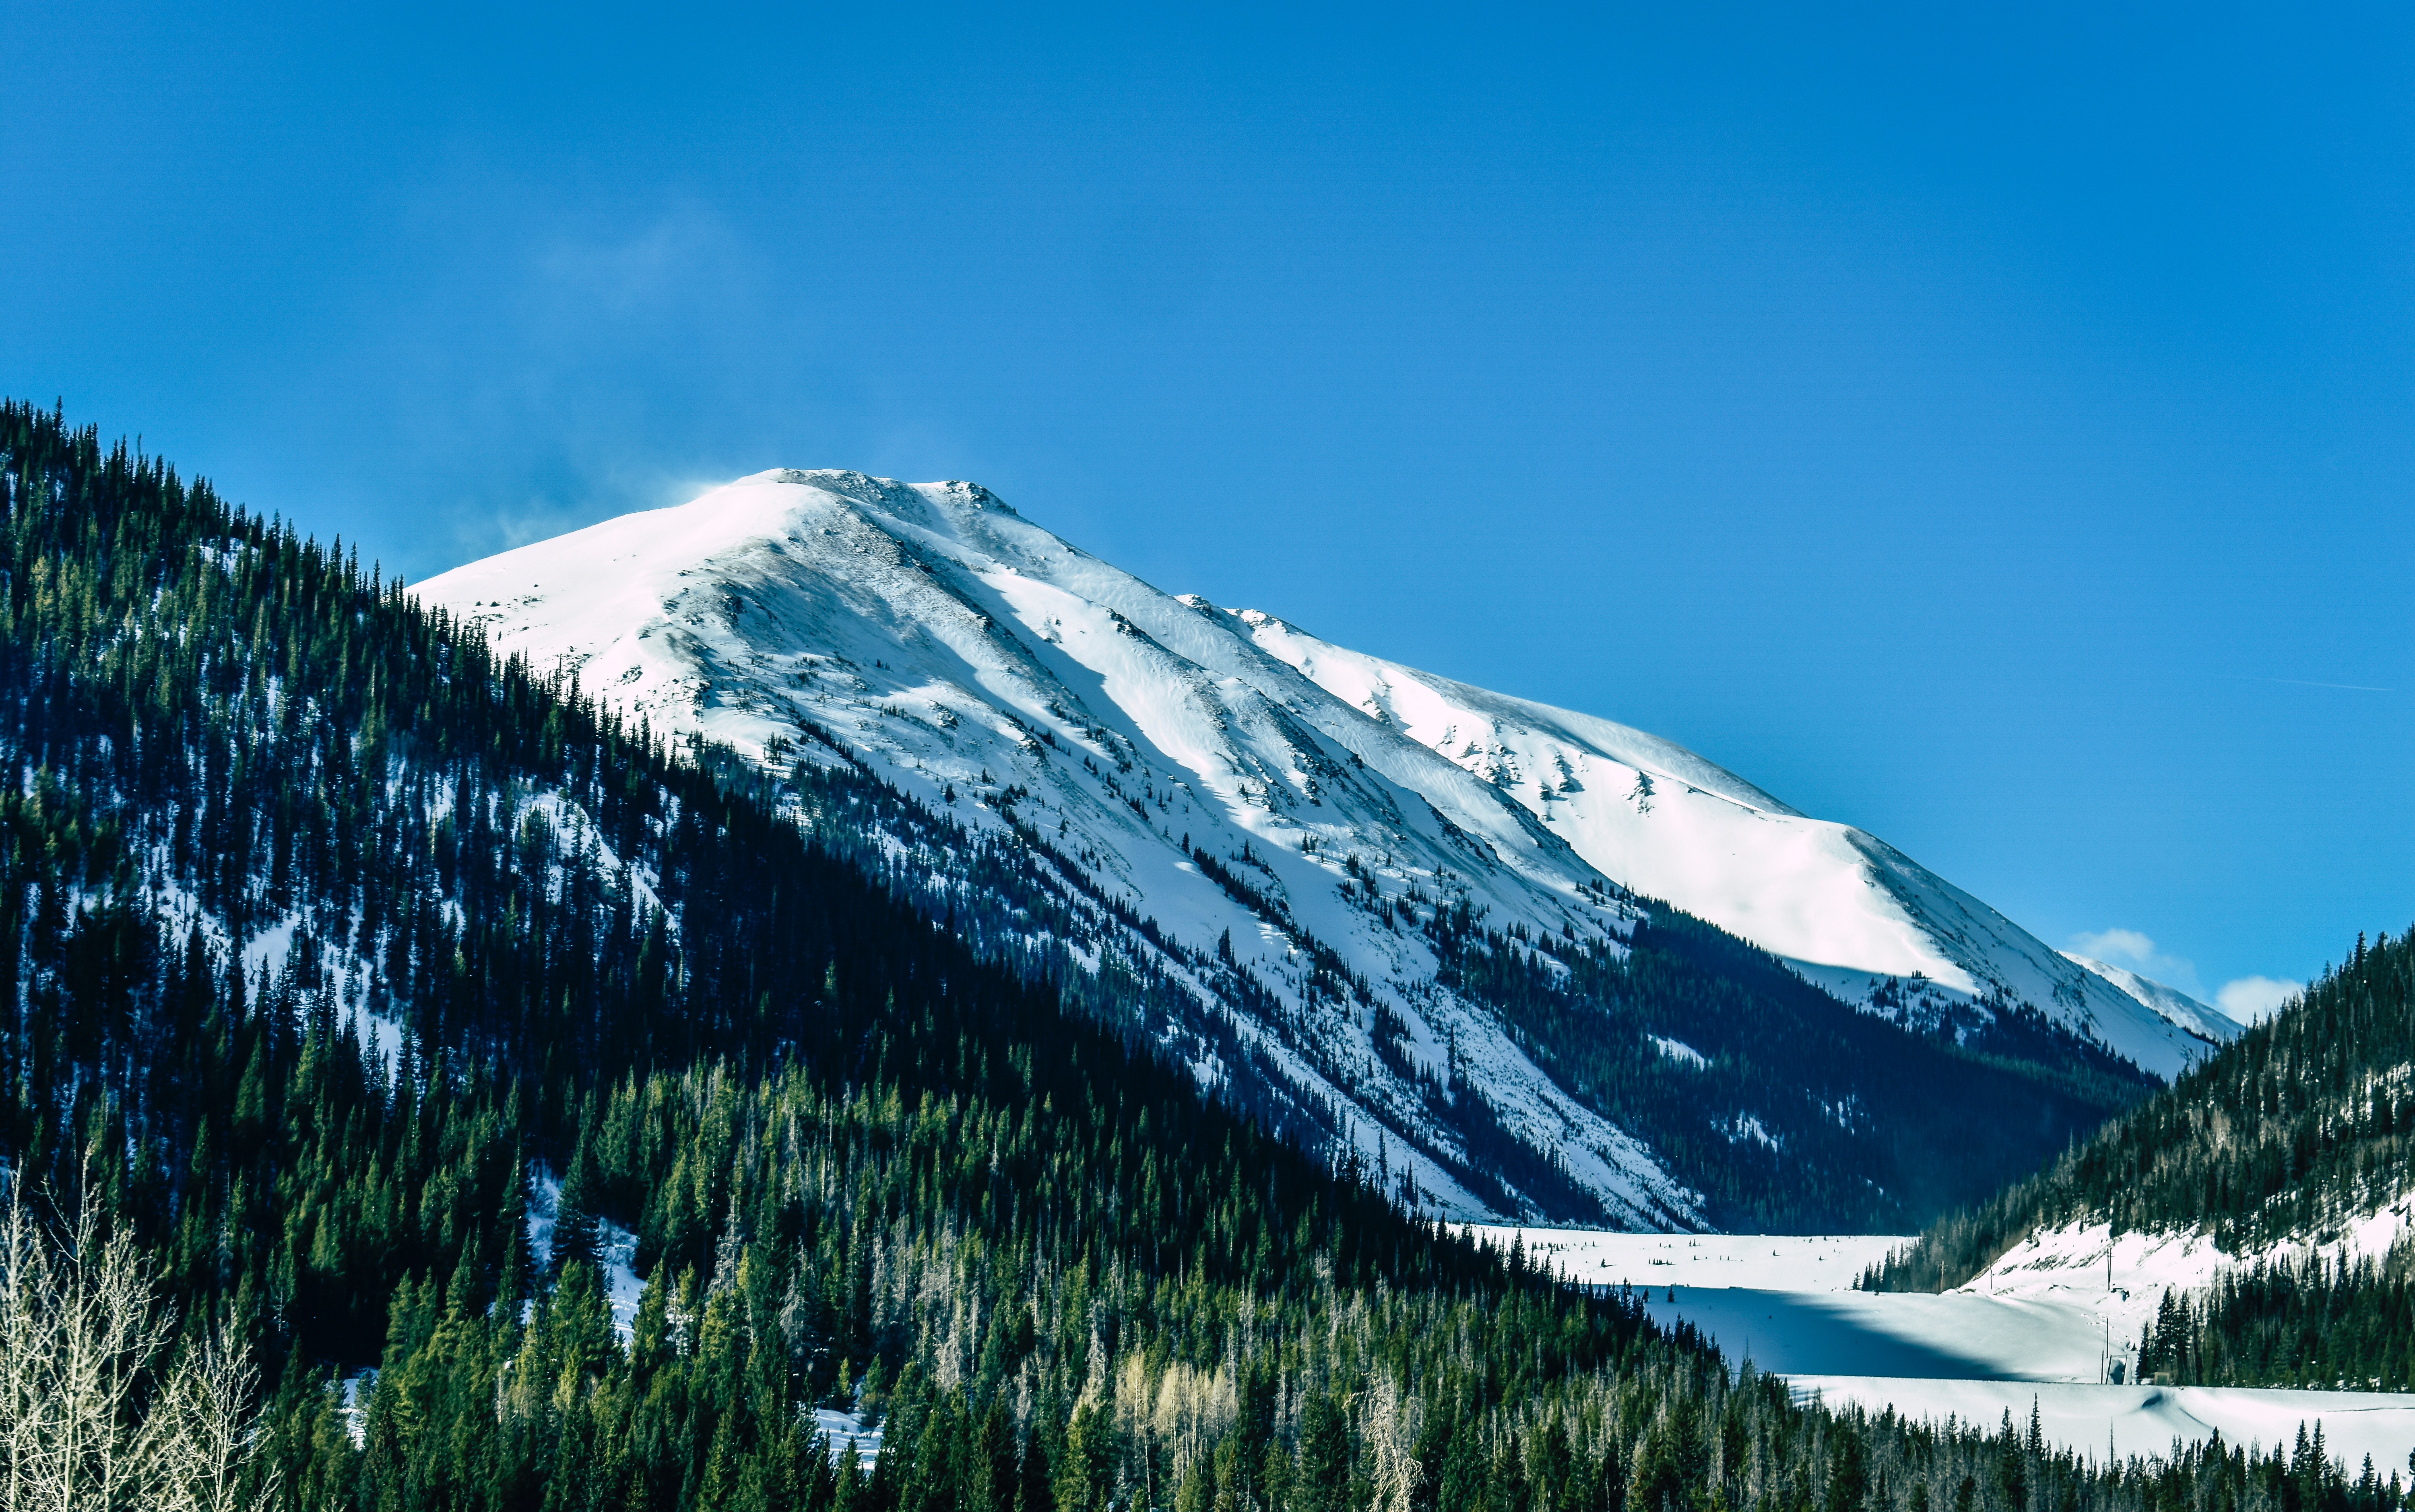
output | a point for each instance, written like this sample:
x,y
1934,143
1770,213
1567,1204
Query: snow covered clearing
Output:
x,y
2130,1421
2125,1280
615,1249
1778,1262
2036,1327
842,1429
1678,1050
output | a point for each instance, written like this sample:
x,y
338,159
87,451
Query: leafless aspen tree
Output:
x,y
1392,1434
83,1425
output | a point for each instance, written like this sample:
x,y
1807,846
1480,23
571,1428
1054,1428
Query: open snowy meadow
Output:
x,y
2021,1334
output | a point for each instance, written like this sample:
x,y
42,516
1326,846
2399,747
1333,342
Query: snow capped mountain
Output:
x,y
1270,818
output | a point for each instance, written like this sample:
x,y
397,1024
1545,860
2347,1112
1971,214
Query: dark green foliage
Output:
x,y
863,1165
2303,1321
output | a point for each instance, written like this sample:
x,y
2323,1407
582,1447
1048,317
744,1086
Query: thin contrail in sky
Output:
x,y
2300,683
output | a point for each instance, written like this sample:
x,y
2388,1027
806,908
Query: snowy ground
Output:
x,y
626,1292
1894,1333
844,1428
2035,1328
2147,1420
1782,1262
615,1246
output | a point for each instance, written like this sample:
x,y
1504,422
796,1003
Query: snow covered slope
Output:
x,y
2123,1277
2201,1019
1270,818
1849,910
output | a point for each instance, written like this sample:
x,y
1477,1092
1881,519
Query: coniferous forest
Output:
x,y
2304,1123
531,962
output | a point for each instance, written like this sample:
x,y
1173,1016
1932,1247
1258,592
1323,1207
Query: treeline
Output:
x,y
868,1173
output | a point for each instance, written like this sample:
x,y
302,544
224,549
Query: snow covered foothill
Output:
x,y
2123,1277
1263,799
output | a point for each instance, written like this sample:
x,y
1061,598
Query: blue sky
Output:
x,y
1992,428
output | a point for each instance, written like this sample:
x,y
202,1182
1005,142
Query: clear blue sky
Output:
x,y
1989,426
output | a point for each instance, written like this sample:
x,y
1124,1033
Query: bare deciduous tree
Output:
x,y
1391,1434
86,1423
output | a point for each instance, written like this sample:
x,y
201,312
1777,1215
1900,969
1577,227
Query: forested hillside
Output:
x,y
864,1169
2280,1140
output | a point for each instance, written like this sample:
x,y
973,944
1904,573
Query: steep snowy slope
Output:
x,y
1845,908
2201,1019
1281,814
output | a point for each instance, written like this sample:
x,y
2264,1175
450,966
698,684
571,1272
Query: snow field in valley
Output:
x,y
2035,1329
2130,1421
1775,1261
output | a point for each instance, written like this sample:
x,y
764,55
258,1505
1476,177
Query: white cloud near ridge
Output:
x,y
2116,947
2134,951
2247,999
2253,1000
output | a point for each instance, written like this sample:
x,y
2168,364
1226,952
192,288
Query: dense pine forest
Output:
x,y
2292,1321
2305,1122
527,957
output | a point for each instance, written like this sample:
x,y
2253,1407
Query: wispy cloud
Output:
x,y
2135,950
2301,683
2116,947
2248,999
2253,999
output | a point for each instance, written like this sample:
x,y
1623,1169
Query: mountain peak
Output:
x,y
932,637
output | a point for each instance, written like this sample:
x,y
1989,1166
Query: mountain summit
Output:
x,y
1294,837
